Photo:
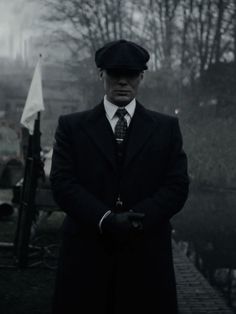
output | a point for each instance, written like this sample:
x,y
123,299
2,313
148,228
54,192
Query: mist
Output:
x,y
18,19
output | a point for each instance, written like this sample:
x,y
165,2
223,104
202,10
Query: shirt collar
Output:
x,y
110,108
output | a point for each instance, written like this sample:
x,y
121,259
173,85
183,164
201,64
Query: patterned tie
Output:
x,y
121,125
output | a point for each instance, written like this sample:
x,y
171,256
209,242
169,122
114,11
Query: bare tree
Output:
x,y
85,25
210,31
186,36
159,18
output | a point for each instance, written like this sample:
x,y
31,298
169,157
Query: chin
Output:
x,y
122,100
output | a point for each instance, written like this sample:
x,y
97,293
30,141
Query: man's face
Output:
x,y
121,86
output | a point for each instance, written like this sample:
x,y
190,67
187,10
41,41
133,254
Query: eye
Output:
x,y
129,74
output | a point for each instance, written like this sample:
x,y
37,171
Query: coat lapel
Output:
x,y
141,128
98,128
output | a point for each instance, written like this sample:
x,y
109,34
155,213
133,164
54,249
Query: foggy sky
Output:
x,y
17,20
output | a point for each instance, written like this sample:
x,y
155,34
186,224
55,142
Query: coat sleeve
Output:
x,y
71,197
172,194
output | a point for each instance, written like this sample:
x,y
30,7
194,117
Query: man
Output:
x,y
120,173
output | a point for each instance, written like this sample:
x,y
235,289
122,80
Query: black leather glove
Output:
x,y
122,224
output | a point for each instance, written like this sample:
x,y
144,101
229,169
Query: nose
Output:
x,y
122,80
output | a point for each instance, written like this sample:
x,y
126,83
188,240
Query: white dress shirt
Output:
x,y
111,109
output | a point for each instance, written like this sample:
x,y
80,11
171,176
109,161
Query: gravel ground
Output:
x,y
28,291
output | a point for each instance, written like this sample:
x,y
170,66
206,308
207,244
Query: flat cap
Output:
x,y
122,54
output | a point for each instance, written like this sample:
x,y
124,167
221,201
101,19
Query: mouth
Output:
x,y
122,91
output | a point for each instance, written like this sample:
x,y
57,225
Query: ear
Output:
x,y
141,76
101,74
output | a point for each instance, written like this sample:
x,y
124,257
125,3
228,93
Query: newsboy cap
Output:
x,y
122,54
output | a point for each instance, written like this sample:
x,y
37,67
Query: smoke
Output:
x,y
18,19
15,13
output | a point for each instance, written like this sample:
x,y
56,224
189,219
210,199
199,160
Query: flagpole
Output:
x,y
33,168
27,209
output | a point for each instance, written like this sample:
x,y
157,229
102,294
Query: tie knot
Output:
x,y
121,112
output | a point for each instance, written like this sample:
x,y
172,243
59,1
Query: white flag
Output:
x,y
34,102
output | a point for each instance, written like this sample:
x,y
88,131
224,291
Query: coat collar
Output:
x,y
98,128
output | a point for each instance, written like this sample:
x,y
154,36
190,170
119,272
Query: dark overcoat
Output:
x,y
94,274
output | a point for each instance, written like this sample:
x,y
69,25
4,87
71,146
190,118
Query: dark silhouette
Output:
x,y
120,173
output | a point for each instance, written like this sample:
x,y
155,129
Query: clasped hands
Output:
x,y
123,223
